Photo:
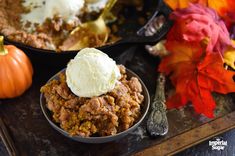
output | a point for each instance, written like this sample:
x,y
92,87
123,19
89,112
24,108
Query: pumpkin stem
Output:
x,y
3,51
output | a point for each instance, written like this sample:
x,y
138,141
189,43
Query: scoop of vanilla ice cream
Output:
x,y
95,5
40,10
91,73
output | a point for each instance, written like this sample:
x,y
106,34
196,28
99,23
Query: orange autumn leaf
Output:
x,y
179,4
195,74
225,8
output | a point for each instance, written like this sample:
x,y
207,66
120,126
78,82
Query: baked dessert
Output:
x,y
47,24
96,113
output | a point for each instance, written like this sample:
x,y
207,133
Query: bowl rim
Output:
x,y
49,51
134,126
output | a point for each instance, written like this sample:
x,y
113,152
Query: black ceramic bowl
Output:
x,y
144,111
127,30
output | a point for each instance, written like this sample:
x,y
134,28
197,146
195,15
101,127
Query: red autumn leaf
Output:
x,y
195,74
225,8
198,23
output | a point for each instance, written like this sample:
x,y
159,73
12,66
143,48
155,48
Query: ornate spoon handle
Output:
x,y
157,123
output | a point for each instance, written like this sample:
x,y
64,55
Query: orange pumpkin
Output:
x,y
15,71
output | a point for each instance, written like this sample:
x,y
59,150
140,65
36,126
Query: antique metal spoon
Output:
x,y
157,123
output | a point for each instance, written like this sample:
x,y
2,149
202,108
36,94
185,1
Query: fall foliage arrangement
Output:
x,y
201,53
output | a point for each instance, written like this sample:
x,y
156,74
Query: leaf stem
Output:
x,y
3,51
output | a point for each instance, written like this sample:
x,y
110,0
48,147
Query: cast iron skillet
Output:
x,y
52,58
144,110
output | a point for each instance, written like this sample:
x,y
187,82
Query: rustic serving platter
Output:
x,y
33,135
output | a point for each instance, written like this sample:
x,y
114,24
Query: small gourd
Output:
x,y
16,71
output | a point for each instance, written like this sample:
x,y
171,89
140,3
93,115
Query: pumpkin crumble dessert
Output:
x,y
46,24
103,114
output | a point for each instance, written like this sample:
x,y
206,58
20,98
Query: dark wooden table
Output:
x,y
33,135
202,149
